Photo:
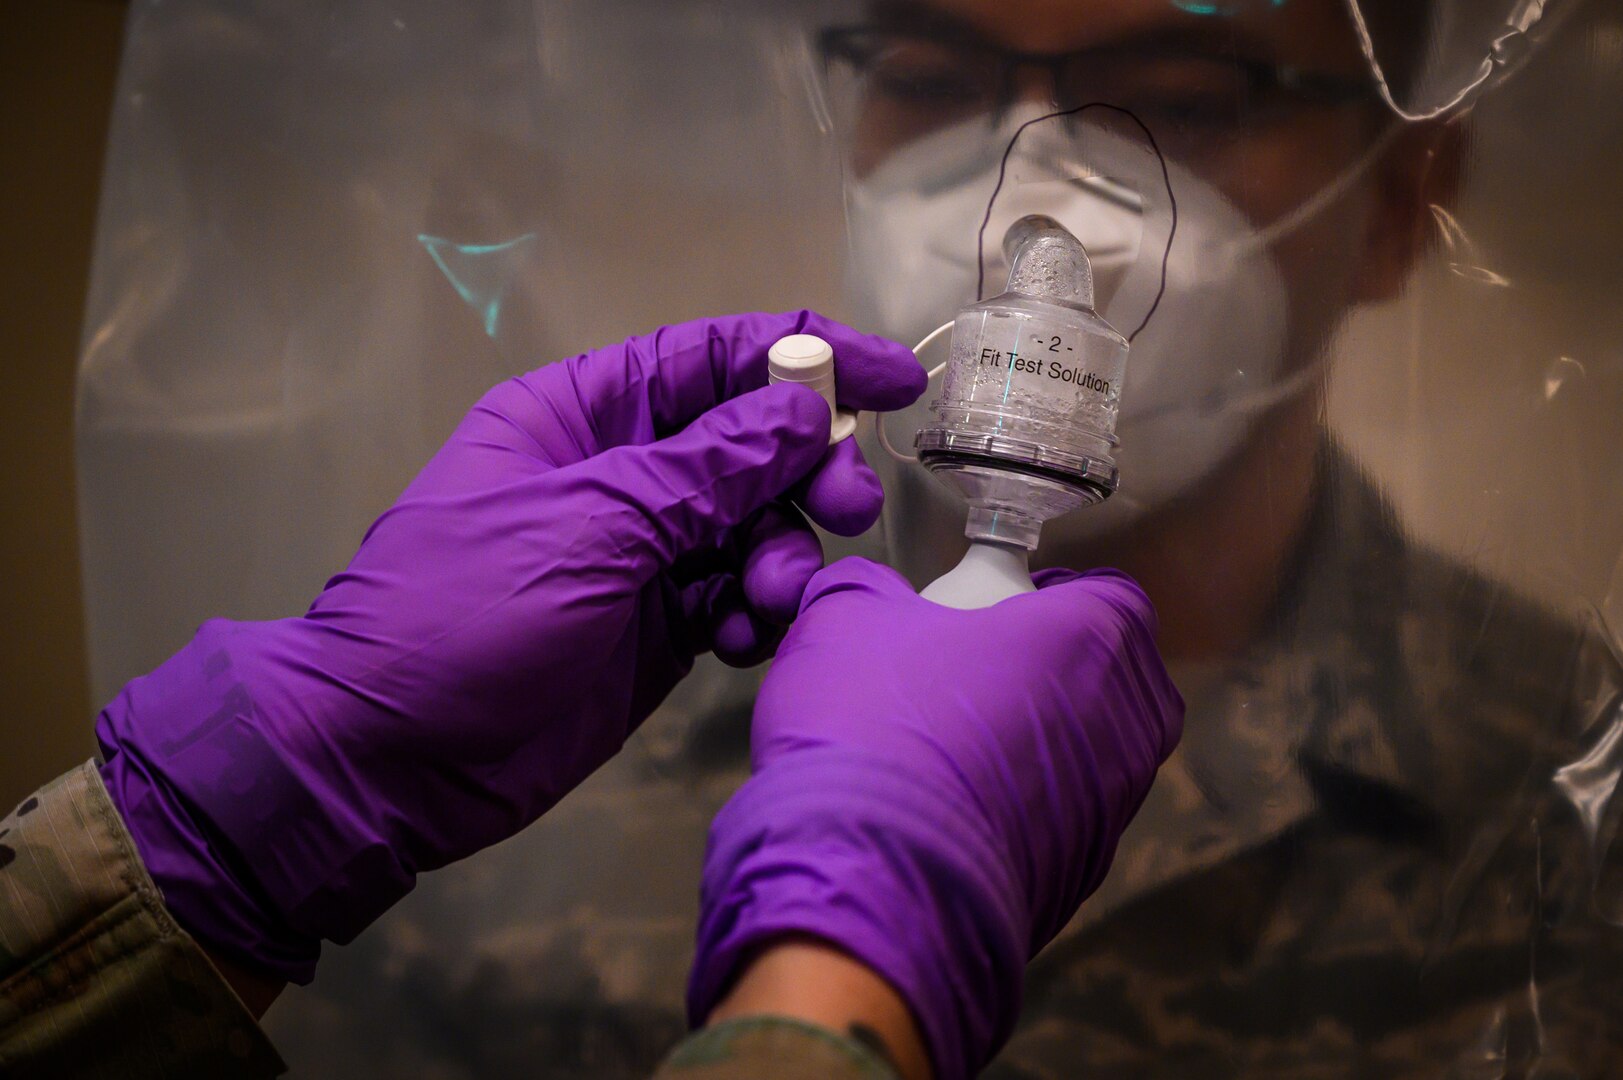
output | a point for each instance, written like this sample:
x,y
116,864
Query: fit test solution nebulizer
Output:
x,y
1025,427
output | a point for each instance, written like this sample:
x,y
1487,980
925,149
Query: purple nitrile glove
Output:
x,y
535,592
935,790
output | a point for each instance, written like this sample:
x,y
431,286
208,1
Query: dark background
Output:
x,y
58,61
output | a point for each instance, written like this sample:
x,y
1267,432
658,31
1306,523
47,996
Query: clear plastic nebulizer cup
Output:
x,y
1025,425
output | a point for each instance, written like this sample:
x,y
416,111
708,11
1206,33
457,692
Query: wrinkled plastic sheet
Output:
x,y
1388,845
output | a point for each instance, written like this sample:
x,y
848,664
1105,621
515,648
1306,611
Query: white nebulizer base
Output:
x,y
1024,428
986,574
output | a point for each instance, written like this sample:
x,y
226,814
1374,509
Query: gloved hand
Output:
x,y
935,791
532,596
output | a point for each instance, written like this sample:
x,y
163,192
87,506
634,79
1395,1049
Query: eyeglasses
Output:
x,y
911,82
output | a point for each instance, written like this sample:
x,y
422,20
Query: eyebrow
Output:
x,y
1199,36
910,15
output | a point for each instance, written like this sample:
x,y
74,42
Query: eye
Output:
x,y
926,76
1189,112
926,90
1179,91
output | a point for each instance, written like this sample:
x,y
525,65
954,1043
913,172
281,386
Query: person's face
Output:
x,y
1265,103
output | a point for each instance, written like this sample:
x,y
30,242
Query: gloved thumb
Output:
x,y
856,576
670,497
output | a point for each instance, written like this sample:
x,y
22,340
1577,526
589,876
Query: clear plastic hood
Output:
x,y
1368,458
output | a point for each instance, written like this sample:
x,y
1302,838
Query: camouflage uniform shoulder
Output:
x,y
1511,692
1449,626
1438,679
1488,636
95,977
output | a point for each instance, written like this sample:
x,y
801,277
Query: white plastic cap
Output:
x,y
805,359
809,360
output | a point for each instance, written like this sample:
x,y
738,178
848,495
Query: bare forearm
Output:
x,y
808,979
257,991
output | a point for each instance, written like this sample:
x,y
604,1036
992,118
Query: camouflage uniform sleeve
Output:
x,y
757,1047
96,979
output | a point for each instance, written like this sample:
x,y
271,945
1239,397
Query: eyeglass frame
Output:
x,y
837,43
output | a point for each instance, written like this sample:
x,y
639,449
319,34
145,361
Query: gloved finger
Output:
x,y
661,501
655,385
717,619
1059,575
722,554
780,555
857,575
697,603
842,494
1054,575
1091,588
742,639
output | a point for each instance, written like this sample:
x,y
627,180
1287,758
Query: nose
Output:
x,y
1030,83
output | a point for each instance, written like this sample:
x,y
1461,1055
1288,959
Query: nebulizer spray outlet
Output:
x,y
1024,429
